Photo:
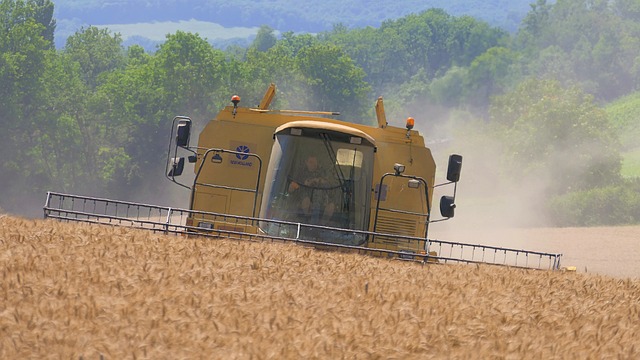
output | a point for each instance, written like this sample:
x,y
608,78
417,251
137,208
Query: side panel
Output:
x,y
397,195
232,170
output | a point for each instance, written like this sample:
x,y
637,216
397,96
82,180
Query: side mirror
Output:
x,y
177,166
184,130
454,168
447,206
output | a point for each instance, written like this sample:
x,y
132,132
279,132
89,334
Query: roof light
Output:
x,y
410,123
235,99
399,168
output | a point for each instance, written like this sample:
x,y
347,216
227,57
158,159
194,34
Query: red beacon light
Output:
x,y
235,99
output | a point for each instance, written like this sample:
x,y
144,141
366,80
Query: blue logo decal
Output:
x,y
242,149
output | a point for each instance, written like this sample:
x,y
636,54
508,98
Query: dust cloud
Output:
x,y
487,195
503,209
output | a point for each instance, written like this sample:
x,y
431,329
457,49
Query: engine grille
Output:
x,y
397,226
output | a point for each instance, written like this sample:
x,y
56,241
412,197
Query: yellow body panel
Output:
x,y
252,130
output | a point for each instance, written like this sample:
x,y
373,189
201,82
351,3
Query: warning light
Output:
x,y
410,123
235,99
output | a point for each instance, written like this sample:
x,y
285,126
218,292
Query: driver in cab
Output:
x,y
312,185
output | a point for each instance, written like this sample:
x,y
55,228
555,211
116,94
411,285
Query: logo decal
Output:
x,y
243,158
243,149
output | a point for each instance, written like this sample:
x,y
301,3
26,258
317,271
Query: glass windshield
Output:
x,y
321,182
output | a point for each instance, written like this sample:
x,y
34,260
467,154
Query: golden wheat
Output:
x,y
76,290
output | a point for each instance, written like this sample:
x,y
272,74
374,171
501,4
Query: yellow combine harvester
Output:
x,y
303,177
301,167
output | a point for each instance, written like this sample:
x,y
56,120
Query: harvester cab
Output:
x,y
319,174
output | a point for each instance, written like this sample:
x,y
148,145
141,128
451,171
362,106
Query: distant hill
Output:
x,y
281,15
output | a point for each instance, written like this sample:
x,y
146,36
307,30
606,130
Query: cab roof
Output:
x,y
318,126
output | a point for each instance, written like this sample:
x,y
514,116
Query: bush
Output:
x,y
611,205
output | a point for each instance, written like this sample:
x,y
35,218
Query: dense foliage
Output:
x,y
94,116
550,131
611,205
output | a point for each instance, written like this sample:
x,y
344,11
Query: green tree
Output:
x,y
265,39
43,14
97,51
465,40
449,89
192,73
553,63
24,54
533,25
488,75
610,205
293,43
379,52
334,80
276,65
424,45
627,9
133,144
594,37
64,131
556,133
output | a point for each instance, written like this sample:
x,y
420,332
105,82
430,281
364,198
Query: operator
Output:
x,y
312,185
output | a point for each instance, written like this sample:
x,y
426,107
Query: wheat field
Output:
x,y
71,291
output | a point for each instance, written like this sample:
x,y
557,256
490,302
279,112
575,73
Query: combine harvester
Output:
x,y
303,177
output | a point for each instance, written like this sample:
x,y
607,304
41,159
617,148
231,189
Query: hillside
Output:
x,y
71,291
214,18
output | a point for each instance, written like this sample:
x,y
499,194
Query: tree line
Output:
x,y
94,117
